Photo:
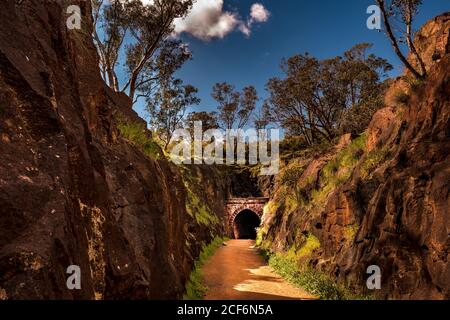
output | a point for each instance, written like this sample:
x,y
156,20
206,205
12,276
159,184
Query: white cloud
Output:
x,y
245,29
208,20
259,13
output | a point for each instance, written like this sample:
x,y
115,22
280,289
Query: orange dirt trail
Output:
x,y
237,272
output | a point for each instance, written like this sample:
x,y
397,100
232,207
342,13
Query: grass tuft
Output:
x,y
138,135
338,170
195,289
311,243
316,283
199,210
372,161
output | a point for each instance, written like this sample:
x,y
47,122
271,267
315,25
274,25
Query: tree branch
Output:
x,y
381,4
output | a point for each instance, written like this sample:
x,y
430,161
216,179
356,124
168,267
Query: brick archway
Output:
x,y
237,205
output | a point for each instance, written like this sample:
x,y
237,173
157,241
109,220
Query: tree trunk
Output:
x,y
394,43
132,87
110,77
410,42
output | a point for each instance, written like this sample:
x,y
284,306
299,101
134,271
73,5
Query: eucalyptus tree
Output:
x,y
314,97
235,108
138,33
168,107
403,12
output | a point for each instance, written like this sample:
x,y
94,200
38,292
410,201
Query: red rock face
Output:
x,y
72,192
405,225
397,217
433,40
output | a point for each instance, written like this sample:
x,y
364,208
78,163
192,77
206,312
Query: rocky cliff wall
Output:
x,y
72,190
382,199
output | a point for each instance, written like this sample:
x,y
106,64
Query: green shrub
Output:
x,y
334,173
271,208
351,231
338,170
138,135
311,243
291,146
291,204
199,210
195,290
291,174
373,160
261,235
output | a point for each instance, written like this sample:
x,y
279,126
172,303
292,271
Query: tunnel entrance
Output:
x,y
245,225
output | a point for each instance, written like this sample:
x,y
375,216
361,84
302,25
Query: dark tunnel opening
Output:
x,y
245,225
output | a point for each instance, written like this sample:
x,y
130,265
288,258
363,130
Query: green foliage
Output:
x,y
292,173
310,244
263,117
358,117
168,106
199,210
138,135
208,120
290,204
351,231
313,282
338,170
196,205
235,108
292,147
310,192
373,160
261,235
314,91
340,167
195,289
316,283
292,195
271,208
149,53
262,241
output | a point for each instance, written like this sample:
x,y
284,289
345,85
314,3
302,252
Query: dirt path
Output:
x,y
238,272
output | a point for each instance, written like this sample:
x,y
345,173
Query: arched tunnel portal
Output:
x,y
245,225
244,216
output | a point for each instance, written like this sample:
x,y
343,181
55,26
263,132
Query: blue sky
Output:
x,y
324,28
